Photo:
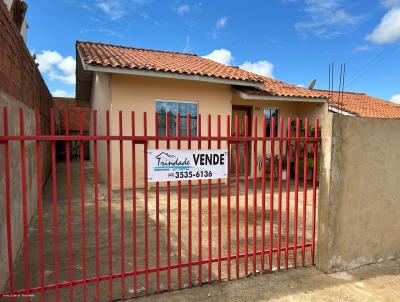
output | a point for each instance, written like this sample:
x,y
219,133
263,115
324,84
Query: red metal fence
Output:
x,y
167,236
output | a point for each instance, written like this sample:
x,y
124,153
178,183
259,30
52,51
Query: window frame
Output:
x,y
276,130
177,102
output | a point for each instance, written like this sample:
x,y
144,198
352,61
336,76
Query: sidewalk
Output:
x,y
377,282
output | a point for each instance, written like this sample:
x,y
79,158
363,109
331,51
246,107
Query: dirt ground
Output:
x,y
77,258
377,282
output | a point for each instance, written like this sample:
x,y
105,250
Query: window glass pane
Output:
x,y
269,113
184,109
162,107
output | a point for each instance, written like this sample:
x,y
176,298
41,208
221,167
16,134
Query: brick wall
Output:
x,y
21,86
20,78
62,104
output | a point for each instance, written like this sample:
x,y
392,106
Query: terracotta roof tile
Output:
x,y
155,60
279,88
361,104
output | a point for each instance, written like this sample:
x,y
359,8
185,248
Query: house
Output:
x,y
119,78
361,104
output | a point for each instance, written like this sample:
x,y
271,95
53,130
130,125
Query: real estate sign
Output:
x,y
174,165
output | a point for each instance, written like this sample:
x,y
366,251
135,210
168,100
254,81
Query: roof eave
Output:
x,y
279,98
341,111
169,75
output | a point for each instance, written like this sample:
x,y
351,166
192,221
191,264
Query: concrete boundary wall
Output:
x,y
15,178
359,202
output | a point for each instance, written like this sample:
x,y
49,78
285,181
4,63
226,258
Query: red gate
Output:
x,y
153,239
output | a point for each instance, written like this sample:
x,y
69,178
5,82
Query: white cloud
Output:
x,y
222,56
221,23
225,57
388,31
47,59
57,67
219,26
112,8
183,9
396,99
115,9
362,48
62,94
390,3
263,67
188,45
326,19
67,65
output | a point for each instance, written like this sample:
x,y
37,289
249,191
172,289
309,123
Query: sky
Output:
x,y
290,40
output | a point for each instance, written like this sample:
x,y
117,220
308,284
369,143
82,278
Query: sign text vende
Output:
x,y
174,165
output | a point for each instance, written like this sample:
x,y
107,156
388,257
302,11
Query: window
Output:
x,y
183,108
269,113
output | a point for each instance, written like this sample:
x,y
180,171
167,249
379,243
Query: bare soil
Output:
x,y
218,234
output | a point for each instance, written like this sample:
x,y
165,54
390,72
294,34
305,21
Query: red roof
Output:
x,y
361,104
155,60
279,88
106,55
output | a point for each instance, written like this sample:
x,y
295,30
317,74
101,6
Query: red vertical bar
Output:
x,y
134,207
264,151
96,204
121,192
237,194
54,193
278,259
146,207
157,216
109,209
209,211
199,186
246,195
314,206
305,159
8,207
40,205
68,164
189,134
288,149
271,192
228,197
24,205
254,195
178,131
168,208
219,201
296,193
82,178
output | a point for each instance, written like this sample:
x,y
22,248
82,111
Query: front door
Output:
x,y
241,112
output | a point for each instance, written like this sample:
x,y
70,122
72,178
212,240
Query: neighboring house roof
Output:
x,y
272,87
106,55
361,104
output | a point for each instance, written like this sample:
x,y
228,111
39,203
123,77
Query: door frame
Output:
x,y
249,110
